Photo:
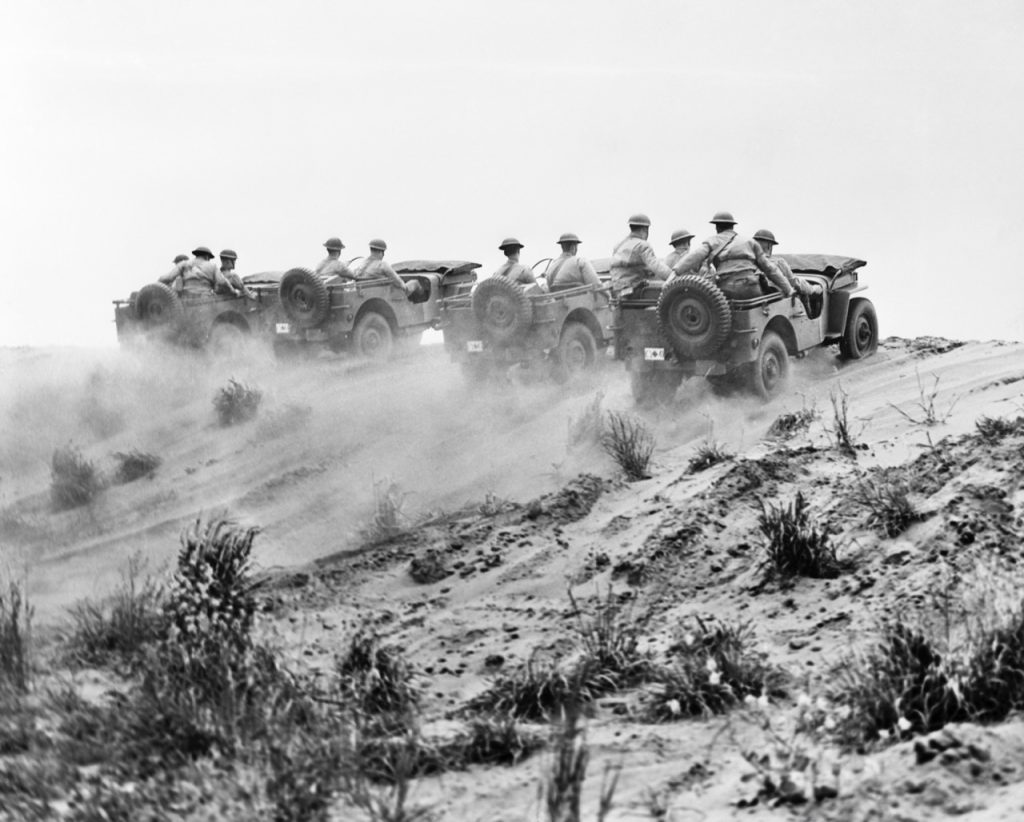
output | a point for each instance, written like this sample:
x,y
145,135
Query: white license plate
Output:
x,y
283,328
475,346
654,354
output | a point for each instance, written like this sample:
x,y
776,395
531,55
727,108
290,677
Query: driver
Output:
x,y
332,265
567,269
374,267
514,270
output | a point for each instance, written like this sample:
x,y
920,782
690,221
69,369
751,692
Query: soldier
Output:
x,y
332,265
180,258
198,275
735,260
514,270
766,239
680,242
374,268
227,269
634,259
569,270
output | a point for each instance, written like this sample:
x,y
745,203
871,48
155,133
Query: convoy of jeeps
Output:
x,y
663,332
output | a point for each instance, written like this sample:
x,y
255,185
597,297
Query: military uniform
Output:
x,y
517,272
634,260
569,269
332,267
196,276
736,261
376,268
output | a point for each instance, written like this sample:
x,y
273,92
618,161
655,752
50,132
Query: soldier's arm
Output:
x,y
691,262
387,271
771,271
170,276
589,274
653,264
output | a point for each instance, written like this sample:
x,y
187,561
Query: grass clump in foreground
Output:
x,y
133,465
791,423
237,402
630,443
993,429
708,453
886,497
15,640
796,546
388,517
74,480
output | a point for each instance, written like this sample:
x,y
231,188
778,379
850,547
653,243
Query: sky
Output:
x,y
888,131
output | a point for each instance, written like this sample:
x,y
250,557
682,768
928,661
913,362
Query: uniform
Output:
x,y
634,260
736,261
332,267
375,268
569,269
516,272
673,257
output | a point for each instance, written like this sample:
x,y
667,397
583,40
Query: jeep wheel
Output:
x,y
372,337
226,341
503,309
860,339
304,297
158,308
654,387
694,316
768,374
576,352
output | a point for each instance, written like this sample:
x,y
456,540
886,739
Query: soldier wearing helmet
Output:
x,y
766,239
633,258
199,275
735,261
568,270
374,267
332,265
227,269
514,270
680,242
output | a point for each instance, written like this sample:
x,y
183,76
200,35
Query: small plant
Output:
x,y
840,430
119,627
795,544
237,402
886,497
376,680
15,636
563,787
926,403
134,465
708,453
428,568
588,428
74,480
539,690
992,429
630,443
388,518
791,423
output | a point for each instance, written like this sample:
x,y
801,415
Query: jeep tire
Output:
x,y
502,308
576,352
694,317
304,297
372,337
158,308
768,374
860,337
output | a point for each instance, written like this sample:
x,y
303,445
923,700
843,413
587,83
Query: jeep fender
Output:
x,y
784,328
838,308
587,318
233,318
378,306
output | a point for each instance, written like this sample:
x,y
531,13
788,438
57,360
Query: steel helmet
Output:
x,y
722,218
679,236
334,244
228,254
568,237
202,251
640,219
510,242
180,258
766,235
379,245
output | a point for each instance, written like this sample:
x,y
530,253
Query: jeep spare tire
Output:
x,y
304,297
158,307
694,316
502,308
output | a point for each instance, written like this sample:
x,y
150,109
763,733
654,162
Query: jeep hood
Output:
x,y
263,277
442,267
821,263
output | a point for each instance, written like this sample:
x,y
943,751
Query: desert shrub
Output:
x,y
562,788
992,429
795,544
15,639
375,680
116,628
630,443
538,690
133,465
886,497
306,770
792,422
237,402
588,427
708,453
841,430
74,480
388,518
609,643
494,739
429,567
711,669
19,731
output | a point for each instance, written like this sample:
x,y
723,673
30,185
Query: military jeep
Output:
x,y
366,317
688,327
199,319
500,323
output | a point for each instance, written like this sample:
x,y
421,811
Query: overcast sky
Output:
x,y
135,131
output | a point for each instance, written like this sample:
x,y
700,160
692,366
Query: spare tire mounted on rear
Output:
x,y
502,308
304,297
694,316
157,306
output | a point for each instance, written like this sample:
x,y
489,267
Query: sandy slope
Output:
x,y
675,545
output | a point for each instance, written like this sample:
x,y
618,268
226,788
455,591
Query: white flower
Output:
x,y
674,707
803,700
821,703
829,724
904,724
711,665
762,702
883,735
715,678
689,639
750,700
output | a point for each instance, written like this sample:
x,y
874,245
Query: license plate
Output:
x,y
654,354
475,346
283,328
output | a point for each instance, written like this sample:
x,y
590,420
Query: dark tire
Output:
x,y
227,340
372,337
304,297
694,316
576,352
860,339
158,308
654,387
768,374
503,309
